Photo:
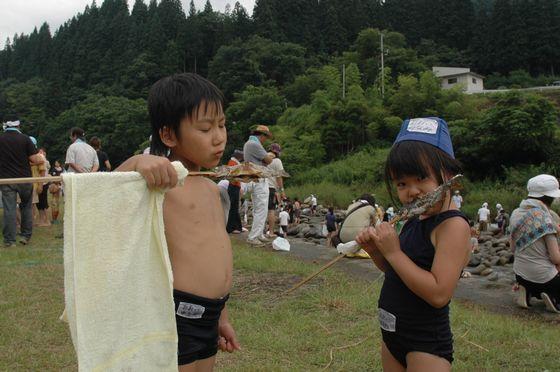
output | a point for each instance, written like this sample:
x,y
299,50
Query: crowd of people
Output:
x,y
27,204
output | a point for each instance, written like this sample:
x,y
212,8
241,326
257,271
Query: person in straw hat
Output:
x,y
254,152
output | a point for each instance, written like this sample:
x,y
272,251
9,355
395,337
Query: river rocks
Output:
x,y
474,260
314,231
487,271
493,276
304,229
503,260
493,250
477,270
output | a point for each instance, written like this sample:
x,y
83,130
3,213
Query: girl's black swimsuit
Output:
x,y
408,323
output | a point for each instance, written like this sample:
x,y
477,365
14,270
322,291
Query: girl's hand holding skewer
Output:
x,y
366,240
386,239
382,238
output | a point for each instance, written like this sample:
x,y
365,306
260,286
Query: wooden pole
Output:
x,y
13,181
393,221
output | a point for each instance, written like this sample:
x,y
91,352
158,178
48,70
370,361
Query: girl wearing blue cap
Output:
x,y
423,264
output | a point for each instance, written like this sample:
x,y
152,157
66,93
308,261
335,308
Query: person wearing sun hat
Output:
x,y
534,232
16,152
254,152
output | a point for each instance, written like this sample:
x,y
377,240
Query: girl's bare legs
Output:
x,y
204,365
390,364
418,361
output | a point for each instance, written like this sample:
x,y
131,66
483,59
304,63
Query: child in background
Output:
x,y
297,211
330,221
284,218
422,266
55,189
474,236
188,125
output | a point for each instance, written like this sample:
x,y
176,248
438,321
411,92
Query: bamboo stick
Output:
x,y
13,181
393,221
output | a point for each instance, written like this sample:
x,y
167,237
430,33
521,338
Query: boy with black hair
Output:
x,y
188,125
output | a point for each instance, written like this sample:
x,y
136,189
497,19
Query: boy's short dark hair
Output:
x,y
175,97
76,131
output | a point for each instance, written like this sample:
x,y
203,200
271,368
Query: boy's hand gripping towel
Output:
x,y
118,282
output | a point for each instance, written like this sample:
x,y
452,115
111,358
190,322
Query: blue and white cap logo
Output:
x,y
423,125
428,130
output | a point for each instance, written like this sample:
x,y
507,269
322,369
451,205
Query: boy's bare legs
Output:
x,y
390,364
204,365
419,361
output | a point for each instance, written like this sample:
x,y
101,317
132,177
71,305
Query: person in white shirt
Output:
x,y
483,215
275,187
284,218
81,157
457,199
313,204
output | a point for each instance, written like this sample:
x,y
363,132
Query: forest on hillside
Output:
x,y
283,65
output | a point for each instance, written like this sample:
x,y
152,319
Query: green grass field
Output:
x,y
333,315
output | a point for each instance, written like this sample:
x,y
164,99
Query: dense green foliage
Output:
x,y
309,70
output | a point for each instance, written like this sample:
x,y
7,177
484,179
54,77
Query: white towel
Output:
x,y
118,282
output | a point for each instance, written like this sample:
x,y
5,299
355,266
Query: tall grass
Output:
x,y
363,167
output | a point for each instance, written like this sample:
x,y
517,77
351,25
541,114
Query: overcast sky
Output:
x,y
19,16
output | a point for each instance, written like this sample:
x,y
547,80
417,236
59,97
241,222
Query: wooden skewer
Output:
x,y
12,181
393,221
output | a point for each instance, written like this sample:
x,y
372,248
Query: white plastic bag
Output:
x,y
324,231
281,244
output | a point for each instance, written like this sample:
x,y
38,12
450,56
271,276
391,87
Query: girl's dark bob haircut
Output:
x,y
418,159
176,97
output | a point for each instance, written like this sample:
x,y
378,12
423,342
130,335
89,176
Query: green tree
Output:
x,y
120,123
254,105
407,100
520,129
232,69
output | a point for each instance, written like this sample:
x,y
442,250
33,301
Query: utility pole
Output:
x,y
382,67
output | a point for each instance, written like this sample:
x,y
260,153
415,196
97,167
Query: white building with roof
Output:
x,y
452,76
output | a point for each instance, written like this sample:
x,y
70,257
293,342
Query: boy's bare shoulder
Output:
x,y
211,184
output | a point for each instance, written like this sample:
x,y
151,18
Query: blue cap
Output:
x,y
429,130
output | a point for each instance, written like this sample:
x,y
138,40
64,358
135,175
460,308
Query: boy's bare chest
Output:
x,y
192,204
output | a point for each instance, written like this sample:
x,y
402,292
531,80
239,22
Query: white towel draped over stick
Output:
x,y
118,283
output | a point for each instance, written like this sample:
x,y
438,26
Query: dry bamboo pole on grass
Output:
x,y
13,181
393,221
